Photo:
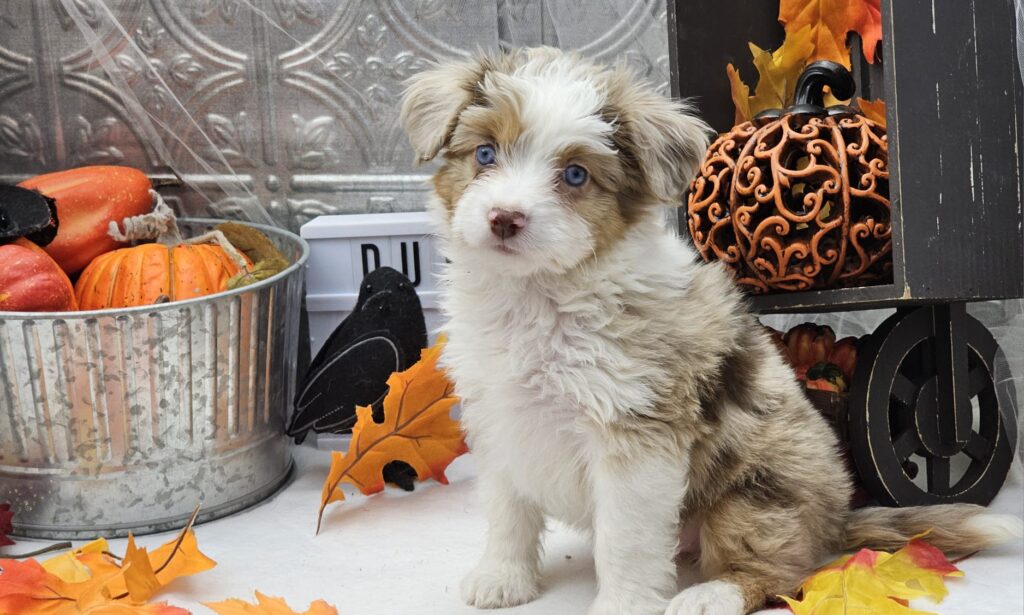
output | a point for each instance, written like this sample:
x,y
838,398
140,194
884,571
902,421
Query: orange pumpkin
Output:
x,y
146,273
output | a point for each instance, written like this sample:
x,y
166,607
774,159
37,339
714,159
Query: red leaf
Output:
x,y
5,524
928,557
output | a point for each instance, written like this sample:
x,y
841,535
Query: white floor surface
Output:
x,y
401,553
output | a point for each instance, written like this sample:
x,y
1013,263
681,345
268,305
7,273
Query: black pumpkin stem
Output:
x,y
810,87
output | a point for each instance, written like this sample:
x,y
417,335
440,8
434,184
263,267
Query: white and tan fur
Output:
x,y
609,379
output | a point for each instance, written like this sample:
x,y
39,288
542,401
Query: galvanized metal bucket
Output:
x,y
120,421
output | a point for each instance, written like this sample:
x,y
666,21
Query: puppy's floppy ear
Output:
x,y
660,136
434,99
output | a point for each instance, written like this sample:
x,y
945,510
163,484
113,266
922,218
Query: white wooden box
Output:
x,y
344,248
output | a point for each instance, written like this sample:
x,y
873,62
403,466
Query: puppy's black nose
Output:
x,y
506,223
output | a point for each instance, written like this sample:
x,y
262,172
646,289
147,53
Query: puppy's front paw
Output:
x,y
711,598
496,586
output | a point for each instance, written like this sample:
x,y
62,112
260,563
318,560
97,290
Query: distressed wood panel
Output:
x,y
954,104
707,35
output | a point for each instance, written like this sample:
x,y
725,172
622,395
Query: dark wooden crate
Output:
x,y
949,75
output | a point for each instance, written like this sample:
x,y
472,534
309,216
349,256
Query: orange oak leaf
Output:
x,y
874,110
877,582
777,71
417,429
267,605
831,21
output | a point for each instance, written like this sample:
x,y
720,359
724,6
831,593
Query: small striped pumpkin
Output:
x,y
148,273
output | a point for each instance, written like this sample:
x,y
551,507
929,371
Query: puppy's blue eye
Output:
x,y
485,155
574,175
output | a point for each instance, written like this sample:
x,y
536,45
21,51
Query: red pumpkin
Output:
x,y
88,200
30,281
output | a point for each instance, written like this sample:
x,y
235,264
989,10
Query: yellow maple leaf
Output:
x,y
777,71
417,429
874,110
267,605
740,94
830,22
69,568
876,582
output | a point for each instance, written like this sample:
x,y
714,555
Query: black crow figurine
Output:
x,y
384,333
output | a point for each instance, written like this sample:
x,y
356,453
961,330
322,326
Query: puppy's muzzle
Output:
x,y
506,223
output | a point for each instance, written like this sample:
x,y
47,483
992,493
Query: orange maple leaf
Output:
x,y
874,110
417,429
144,574
267,605
26,588
91,580
831,21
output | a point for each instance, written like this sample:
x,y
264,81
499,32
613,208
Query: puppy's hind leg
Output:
x,y
751,551
508,574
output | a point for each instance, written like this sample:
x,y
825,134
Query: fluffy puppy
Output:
x,y
609,379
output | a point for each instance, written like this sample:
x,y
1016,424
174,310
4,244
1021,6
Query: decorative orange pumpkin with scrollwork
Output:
x,y
798,199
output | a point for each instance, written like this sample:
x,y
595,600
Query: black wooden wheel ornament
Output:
x,y
932,390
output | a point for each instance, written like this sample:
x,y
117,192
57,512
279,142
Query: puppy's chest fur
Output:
x,y
545,365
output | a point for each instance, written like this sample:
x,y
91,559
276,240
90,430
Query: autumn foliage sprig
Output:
x,y
815,30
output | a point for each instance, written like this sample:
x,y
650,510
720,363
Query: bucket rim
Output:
x,y
177,305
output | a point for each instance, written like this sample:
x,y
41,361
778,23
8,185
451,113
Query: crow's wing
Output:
x,y
355,375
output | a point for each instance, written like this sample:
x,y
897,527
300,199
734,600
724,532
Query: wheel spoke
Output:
x,y
978,447
905,445
979,380
938,474
903,389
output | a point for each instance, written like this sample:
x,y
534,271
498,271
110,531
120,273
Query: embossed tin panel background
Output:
x,y
298,97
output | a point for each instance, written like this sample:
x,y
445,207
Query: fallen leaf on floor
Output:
x,y
417,429
267,605
26,588
5,525
877,582
149,572
92,580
